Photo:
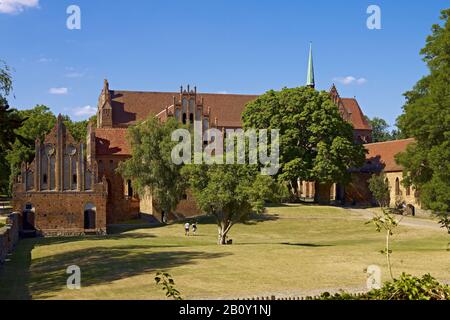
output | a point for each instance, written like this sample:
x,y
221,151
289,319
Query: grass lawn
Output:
x,y
291,250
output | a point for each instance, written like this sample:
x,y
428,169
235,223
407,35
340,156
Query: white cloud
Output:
x,y
84,111
44,60
59,91
350,80
361,81
222,92
74,74
17,6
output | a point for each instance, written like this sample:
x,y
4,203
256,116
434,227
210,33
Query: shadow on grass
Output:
x,y
307,245
259,218
209,219
15,273
102,265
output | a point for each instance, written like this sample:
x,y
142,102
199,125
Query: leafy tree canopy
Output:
x,y
230,192
151,168
426,117
379,187
316,144
9,118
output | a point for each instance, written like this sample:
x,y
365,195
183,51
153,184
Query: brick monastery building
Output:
x,y
72,188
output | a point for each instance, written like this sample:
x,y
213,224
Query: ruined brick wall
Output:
x,y
188,207
63,214
9,236
120,206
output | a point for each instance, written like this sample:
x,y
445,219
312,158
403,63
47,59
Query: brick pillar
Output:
x,y
37,168
59,185
80,168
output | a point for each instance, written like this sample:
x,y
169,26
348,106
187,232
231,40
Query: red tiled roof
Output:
x,y
383,153
130,107
356,115
111,142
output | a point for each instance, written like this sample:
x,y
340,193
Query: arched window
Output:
x,y
101,168
74,179
45,179
397,187
90,212
408,191
129,189
184,120
191,118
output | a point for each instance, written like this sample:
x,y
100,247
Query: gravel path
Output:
x,y
403,221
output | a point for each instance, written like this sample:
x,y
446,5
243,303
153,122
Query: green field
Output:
x,y
291,250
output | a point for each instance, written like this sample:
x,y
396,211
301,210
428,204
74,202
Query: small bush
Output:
x,y
405,288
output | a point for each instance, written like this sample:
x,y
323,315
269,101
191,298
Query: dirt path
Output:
x,y
403,221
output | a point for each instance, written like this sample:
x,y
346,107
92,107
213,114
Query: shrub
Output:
x,y
406,288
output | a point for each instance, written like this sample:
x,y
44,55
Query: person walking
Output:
x,y
194,228
186,229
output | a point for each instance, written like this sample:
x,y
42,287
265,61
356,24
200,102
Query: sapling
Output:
x,y
167,283
387,223
445,223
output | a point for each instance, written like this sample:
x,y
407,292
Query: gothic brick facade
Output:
x,y
59,192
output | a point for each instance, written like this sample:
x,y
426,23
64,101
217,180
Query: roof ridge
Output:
x,y
390,141
198,93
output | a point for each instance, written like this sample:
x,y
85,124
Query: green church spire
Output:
x,y
310,78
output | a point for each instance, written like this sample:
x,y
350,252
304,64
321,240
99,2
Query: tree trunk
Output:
x,y
223,229
388,254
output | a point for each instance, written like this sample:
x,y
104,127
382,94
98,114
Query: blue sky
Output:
x,y
247,46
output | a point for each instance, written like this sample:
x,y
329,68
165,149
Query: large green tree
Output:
x,y
9,118
426,117
316,144
230,192
151,168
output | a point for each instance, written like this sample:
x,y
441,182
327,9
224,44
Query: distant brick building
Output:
x,y
73,188
381,160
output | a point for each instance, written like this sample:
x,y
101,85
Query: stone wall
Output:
x,y
401,195
120,206
9,236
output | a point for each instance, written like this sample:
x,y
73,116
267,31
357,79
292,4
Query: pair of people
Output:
x,y
187,229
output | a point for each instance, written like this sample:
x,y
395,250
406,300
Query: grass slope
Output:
x,y
290,250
